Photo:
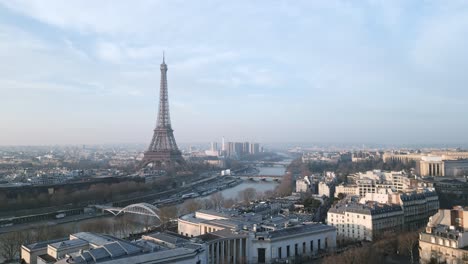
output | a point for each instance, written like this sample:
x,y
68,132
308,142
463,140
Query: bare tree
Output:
x,y
229,203
45,232
207,203
167,214
363,255
268,194
121,226
286,186
218,200
248,195
407,242
147,220
10,244
190,206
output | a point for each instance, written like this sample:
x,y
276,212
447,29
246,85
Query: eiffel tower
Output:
x,y
163,152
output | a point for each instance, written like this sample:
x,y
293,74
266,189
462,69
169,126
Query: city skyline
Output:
x,y
331,71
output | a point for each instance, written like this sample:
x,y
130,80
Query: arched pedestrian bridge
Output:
x,y
138,208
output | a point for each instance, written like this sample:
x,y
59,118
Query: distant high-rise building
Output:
x,y
254,148
245,148
214,146
238,147
230,151
223,146
163,151
234,149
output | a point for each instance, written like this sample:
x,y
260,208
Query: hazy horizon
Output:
x,y
370,72
268,145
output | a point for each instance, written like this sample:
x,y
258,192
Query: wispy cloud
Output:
x,y
304,65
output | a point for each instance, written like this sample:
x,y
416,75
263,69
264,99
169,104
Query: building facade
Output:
x,y
355,221
303,185
294,243
351,190
417,207
326,189
445,239
253,239
434,163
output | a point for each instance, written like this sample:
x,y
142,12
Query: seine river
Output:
x,y
260,186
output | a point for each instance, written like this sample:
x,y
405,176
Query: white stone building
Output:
x,y
378,181
326,189
351,190
303,185
356,221
239,239
445,239
291,243
434,163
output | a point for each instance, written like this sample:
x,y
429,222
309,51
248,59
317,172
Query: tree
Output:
x,y
166,214
386,245
364,255
268,194
407,243
207,203
218,200
229,203
190,206
341,196
248,195
146,221
286,186
121,226
311,203
10,244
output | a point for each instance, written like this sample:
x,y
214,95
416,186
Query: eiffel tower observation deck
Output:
x,y
163,152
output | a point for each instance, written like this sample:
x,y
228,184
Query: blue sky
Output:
x,y
86,72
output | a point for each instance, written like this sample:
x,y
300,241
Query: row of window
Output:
x,y
358,216
304,248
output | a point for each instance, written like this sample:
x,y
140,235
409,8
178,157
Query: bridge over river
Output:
x,y
262,173
276,178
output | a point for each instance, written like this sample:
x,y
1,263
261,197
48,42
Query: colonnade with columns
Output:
x,y
429,168
227,251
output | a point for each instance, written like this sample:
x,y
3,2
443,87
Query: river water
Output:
x,y
260,186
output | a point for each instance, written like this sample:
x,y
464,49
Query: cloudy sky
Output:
x,y
86,72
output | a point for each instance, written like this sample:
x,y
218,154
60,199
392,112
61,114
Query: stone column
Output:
x,y
235,251
210,253
223,247
241,257
229,251
213,254
217,252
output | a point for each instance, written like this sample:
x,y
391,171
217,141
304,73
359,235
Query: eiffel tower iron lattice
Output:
x,y
163,151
